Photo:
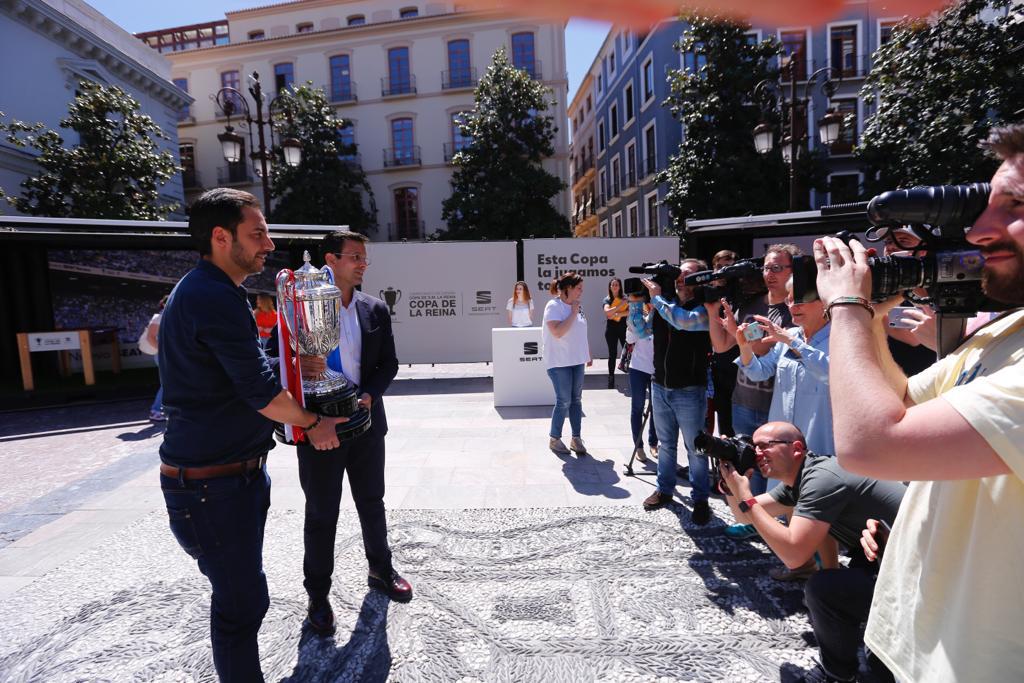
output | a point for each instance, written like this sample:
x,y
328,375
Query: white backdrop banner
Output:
x,y
597,259
444,297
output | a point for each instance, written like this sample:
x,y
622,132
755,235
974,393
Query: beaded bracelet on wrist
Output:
x,y
317,421
849,301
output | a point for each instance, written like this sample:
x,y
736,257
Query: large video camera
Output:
x,y
663,273
736,284
737,450
949,268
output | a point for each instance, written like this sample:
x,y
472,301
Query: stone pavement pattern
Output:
x,y
84,541
585,594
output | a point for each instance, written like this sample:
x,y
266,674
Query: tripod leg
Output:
x,y
639,438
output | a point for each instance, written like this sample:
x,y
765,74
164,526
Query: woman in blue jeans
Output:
x,y
641,369
566,353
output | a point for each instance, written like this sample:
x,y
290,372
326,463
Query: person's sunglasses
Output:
x,y
765,445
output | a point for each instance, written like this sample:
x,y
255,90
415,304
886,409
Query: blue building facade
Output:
x,y
633,135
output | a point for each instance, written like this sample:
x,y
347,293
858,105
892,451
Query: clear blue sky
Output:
x,y
583,37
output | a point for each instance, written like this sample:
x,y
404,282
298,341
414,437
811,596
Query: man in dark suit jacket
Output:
x,y
366,355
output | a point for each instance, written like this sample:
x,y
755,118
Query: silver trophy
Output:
x,y
311,307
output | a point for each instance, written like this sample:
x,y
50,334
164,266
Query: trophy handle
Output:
x,y
381,295
399,297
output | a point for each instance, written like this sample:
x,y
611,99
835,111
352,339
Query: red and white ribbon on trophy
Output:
x,y
290,365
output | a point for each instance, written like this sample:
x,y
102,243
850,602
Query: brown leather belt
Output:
x,y
213,471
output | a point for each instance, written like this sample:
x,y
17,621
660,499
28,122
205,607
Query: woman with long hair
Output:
x,y
566,353
520,306
616,307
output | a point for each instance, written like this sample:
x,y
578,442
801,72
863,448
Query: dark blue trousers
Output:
x,y
220,523
321,474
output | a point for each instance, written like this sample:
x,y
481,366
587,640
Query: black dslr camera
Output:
x,y
950,270
737,450
736,284
663,273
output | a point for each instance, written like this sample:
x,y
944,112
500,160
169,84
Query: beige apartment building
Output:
x,y
399,71
582,118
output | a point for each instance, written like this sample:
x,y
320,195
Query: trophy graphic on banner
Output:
x,y
309,324
391,297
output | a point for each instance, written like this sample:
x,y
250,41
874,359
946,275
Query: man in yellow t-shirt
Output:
x,y
949,597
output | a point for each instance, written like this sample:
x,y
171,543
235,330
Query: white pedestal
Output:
x,y
520,375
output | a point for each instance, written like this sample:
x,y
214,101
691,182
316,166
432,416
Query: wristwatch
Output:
x,y
745,505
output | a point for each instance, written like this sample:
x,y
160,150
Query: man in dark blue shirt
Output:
x,y
222,396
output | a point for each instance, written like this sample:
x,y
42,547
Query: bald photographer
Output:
x,y
826,502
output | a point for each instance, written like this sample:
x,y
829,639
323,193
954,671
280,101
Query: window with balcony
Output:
x,y
284,76
257,35
523,54
356,20
230,79
347,150
588,104
613,120
304,27
602,182
616,179
885,29
611,66
600,85
652,213
341,79
604,228
648,80
848,133
460,140
407,213
617,225
460,73
403,153
187,156
600,137
399,73
650,160
630,179
628,102
408,12
795,43
842,42
185,113
633,220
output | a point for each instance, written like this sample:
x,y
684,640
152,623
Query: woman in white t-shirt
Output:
x,y
566,352
520,306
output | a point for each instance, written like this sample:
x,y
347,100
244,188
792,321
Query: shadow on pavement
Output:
x,y
592,477
69,419
366,657
460,385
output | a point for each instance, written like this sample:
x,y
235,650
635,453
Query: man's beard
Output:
x,y
251,266
1005,287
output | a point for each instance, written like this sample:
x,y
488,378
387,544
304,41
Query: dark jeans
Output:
x,y
220,522
838,601
614,336
321,474
639,384
723,376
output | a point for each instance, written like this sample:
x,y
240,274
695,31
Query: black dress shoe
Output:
x,y
321,616
391,583
701,513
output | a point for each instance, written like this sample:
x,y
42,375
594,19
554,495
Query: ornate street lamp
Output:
x,y
229,101
768,94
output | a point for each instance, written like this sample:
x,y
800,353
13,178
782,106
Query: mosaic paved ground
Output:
x,y
567,594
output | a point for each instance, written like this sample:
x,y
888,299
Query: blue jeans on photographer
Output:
x,y
568,384
747,421
219,522
680,410
639,384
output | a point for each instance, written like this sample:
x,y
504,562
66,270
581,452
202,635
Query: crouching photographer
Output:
x,y
948,600
826,502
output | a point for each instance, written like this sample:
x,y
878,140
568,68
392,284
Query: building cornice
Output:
x,y
348,32
47,21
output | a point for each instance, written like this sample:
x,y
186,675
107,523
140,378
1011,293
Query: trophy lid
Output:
x,y
313,281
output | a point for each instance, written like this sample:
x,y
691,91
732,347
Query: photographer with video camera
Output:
x,y
948,601
679,387
752,399
826,503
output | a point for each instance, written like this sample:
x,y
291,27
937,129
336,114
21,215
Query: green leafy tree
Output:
x,y
499,188
115,170
326,187
717,171
941,85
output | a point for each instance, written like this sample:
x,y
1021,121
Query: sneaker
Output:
x,y
640,455
798,574
819,675
576,445
654,451
741,532
701,513
157,416
557,447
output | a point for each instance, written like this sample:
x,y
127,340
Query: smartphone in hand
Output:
x,y
754,332
896,319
